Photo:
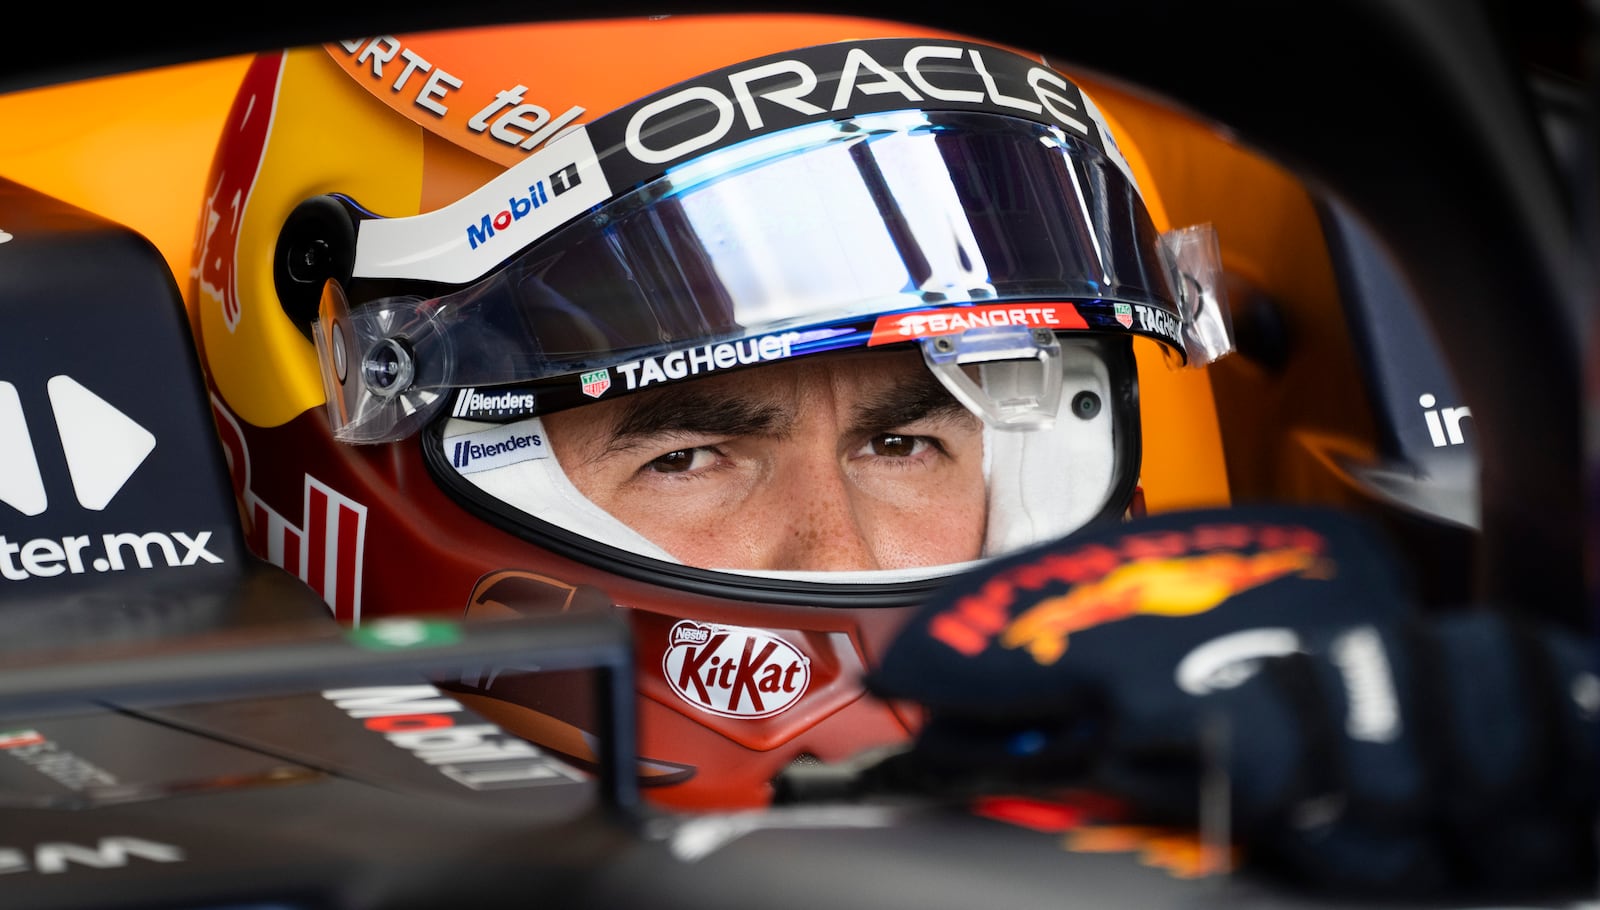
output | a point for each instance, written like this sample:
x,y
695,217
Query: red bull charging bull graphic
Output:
x,y
1168,573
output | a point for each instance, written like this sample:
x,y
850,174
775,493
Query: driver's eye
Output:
x,y
673,462
894,445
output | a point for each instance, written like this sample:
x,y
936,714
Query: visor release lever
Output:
x,y
1020,369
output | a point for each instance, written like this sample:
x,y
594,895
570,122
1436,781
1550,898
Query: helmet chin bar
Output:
x,y
1022,373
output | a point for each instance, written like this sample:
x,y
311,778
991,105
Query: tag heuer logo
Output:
x,y
596,383
1124,314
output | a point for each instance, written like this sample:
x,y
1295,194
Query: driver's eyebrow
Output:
x,y
696,412
901,403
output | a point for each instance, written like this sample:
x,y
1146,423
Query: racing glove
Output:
x,y
1365,746
1450,754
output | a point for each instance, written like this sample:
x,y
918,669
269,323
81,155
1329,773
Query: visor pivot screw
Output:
x,y
1041,336
1085,405
316,244
943,345
388,368
311,258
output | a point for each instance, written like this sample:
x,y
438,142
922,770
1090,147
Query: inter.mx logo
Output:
x,y
56,857
103,448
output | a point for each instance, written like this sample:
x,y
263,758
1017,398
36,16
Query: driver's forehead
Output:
x,y
846,374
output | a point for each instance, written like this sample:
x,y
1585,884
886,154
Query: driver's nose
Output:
x,y
817,526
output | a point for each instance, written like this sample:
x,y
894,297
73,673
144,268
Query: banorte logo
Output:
x,y
951,320
1157,575
733,671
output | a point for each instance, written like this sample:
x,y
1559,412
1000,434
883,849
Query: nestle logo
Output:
x,y
689,634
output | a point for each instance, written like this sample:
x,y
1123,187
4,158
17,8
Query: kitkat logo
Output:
x,y
733,671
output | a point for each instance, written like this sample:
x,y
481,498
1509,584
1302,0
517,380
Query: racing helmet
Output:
x,y
426,259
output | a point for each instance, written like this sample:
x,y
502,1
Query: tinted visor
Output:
x,y
793,243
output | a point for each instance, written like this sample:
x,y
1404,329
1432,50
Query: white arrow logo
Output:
x,y
103,447
20,484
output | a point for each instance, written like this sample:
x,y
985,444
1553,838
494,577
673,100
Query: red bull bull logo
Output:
x,y
1177,573
1157,587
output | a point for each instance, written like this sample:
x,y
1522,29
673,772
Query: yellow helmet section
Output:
x,y
320,134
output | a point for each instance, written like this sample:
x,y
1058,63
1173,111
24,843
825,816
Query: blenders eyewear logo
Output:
x,y
470,453
103,448
520,206
472,404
